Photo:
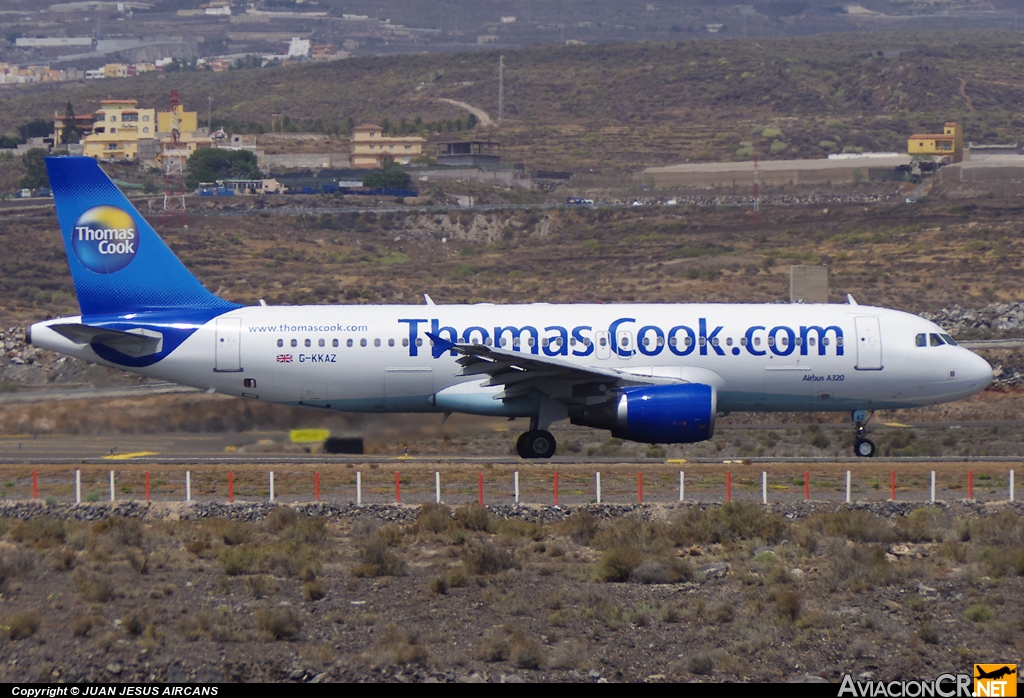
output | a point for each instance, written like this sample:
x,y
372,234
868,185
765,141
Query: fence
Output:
x,y
577,487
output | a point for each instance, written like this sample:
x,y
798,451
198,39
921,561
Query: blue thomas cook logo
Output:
x,y
105,239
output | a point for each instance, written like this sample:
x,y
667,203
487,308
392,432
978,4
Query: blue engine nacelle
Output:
x,y
660,414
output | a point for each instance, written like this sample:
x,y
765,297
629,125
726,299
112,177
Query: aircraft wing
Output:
x,y
522,373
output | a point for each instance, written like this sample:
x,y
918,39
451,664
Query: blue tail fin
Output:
x,y
118,262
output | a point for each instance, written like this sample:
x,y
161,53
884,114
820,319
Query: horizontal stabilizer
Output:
x,y
134,342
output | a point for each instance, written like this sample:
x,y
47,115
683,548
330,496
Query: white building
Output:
x,y
298,48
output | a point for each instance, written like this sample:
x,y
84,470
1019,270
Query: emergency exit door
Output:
x,y
228,353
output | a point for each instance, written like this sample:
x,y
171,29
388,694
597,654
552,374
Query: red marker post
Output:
x,y
556,488
892,485
35,484
231,487
728,486
970,484
398,490
807,485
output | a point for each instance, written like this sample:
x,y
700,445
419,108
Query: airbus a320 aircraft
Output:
x,y
650,373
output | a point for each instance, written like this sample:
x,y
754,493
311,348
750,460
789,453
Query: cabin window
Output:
x,y
784,341
280,342
602,341
544,342
799,341
419,342
572,341
405,342
587,342
702,341
376,342
810,341
728,341
295,342
531,341
647,341
334,342
824,341
515,341
743,341
348,343
362,342
839,341
661,341
321,343
688,341
919,340
308,343
771,341
757,341
672,341
391,342
504,341
487,341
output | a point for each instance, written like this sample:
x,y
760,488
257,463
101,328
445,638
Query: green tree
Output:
x,y
35,169
71,134
391,177
37,128
211,164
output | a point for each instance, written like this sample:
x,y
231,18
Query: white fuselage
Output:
x,y
379,359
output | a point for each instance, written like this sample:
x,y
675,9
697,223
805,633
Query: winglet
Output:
x,y
440,345
428,299
850,299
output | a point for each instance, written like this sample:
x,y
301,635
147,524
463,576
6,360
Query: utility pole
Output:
x,y
209,115
501,88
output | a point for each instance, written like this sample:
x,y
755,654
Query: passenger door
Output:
x,y
869,344
228,351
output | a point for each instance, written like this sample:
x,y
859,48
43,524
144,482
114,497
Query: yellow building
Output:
x,y
118,126
177,118
371,148
115,70
949,143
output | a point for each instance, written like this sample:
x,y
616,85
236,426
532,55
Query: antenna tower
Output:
x,y
757,196
501,88
174,190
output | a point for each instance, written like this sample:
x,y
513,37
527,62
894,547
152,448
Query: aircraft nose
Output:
x,y
977,371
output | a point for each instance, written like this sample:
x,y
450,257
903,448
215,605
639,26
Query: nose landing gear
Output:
x,y
864,447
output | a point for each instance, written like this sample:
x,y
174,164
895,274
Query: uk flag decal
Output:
x,y
284,358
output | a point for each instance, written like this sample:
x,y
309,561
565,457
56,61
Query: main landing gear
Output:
x,y
535,443
864,447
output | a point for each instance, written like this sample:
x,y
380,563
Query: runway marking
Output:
x,y
896,424
127,456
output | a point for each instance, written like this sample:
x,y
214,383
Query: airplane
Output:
x,y
654,373
995,673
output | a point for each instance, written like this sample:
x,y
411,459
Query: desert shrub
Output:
x,y
40,532
279,623
235,561
63,559
133,623
858,526
581,527
280,518
924,524
655,571
700,664
723,613
259,585
571,654
979,613
314,590
309,529
524,652
929,631
81,625
1003,529
646,536
788,603
475,518
21,625
433,518
439,585
138,560
730,522
487,557
617,563
290,560
377,559
95,587
403,645
122,530
236,533
492,647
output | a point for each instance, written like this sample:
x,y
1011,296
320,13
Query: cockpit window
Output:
x,y
949,340
921,340
935,340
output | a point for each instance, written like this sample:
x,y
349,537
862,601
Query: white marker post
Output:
x,y
359,488
764,486
682,486
271,485
437,487
188,485
933,487
847,486
515,478
1011,485
78,487
597,486
111,485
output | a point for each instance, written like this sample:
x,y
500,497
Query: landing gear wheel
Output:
x,y
536,444
864,448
